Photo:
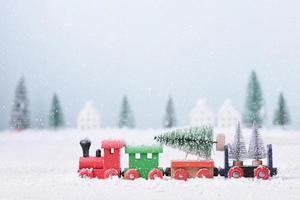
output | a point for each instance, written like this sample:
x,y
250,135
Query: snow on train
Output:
x,y
144,163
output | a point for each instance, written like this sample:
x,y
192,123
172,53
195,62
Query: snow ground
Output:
x,y
43,165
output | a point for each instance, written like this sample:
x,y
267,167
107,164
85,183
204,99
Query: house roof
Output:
x,y
108,144
201,108
144,149
201,114
227,106
89,109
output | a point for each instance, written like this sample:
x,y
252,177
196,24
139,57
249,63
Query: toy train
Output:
x,y
144,163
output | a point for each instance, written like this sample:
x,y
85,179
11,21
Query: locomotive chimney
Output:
x,y
85,145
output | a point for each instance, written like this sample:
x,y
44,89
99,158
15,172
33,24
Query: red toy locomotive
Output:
x,y
101,166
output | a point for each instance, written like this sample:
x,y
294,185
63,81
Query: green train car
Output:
x,y
143,162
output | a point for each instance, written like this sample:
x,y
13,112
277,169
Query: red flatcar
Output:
x,y
184,169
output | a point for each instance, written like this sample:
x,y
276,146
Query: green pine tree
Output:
x,y
56,117
195,140
126,118
20,112
254,102
282,117
170,117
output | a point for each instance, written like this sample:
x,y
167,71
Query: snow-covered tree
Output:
x,y
195,140
20,112
254,102
170,117
56,117
256,149
237,150
282,117
126,118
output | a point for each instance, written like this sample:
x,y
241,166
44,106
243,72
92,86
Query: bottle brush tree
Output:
x,y
281,117
237,150
56,118
20,112
126,118
254,102
256,149
195,140
170,117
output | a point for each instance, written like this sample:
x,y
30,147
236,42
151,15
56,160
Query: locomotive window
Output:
x,y
137,156
112,151
149,155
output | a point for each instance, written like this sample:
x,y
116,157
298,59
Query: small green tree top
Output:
x,y
254,102
56,118
126,118
170,117
282,116
195,140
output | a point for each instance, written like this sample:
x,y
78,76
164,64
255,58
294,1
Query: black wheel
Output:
x,y
122,173
221,172
216,171
274,171
167,172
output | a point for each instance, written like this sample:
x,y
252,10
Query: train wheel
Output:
x,y
168,171
155,173
204,173
262,173
181,174
235,172
86,173
131,174
110,173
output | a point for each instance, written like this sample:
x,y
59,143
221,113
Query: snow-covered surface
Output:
x,y
43,165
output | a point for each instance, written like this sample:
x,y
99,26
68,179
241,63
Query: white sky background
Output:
x,y
148,49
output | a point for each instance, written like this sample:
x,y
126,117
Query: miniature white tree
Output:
x,y
170,117
237,150
256,148
20,112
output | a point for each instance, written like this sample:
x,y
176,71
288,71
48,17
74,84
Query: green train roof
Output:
x,y
144,149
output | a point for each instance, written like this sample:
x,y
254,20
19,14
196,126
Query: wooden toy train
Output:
x,y
144,162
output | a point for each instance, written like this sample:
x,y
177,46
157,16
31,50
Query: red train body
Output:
x,y
102,166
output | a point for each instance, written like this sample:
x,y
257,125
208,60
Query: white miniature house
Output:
x,y
228,116
202,115
89,117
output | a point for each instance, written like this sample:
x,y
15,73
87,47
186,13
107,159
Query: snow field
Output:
x,y
43,165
